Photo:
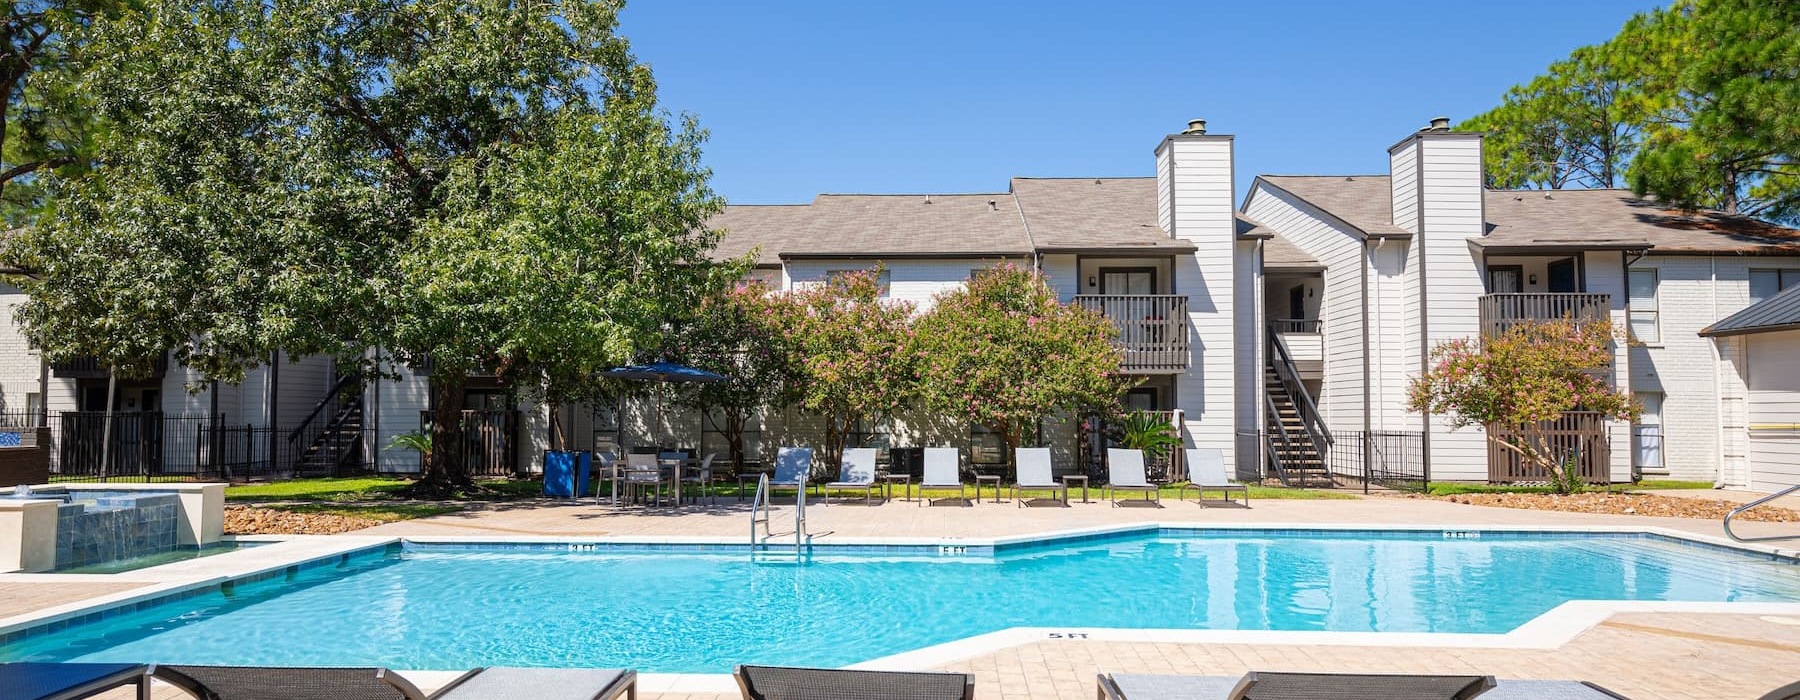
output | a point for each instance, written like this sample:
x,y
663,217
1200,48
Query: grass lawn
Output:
x,y
384,512
1452,488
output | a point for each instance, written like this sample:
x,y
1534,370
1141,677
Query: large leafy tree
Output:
x,y
275,176
856,361
1002,352
1726,131
1575,126
744,334
48,124
1520,380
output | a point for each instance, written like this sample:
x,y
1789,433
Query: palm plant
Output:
x,y
1150,432
418,441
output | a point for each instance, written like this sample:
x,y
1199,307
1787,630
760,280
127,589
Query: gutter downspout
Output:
x,y
1718,382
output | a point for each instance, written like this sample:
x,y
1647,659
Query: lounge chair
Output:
x,y
1158,687
1034,473
793,467
1790,691
54,681
1206,472
857,472
1125,472
778,683
276,683
942,470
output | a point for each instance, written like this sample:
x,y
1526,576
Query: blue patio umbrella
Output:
x,y
663,373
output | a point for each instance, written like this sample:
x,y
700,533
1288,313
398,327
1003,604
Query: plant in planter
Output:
x,y
1152,433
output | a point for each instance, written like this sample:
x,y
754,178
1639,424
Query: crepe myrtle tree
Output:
x,y
856,357
742,333
1521,380
1002,352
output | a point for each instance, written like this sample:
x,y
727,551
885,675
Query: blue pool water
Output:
x,y
454,607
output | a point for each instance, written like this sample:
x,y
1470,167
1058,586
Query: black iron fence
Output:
x,y
1393,459
489,443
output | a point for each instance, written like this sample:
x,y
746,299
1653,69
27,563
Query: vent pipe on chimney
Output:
x,y
1440,123
1195,127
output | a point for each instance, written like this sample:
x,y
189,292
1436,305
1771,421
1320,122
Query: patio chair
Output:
x,y
701,476
942,470
1125,472
793,467
1206,472
54,681
1259,685
643,471
1034,473
277,683
606,468
779,683
1790,691
858,472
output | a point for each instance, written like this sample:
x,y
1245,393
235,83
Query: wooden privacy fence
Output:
x,y
1580,433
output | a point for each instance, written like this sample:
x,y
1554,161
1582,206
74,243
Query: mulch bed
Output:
x,y
1624,504
252,520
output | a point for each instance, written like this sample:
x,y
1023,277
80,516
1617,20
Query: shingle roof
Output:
x,y
1596,218
912,224
1281,254
767,228
1365,202
1069,214
1776,313
1580,219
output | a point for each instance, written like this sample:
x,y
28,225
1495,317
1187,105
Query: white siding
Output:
x,y
1774,444
394,408
1199,168
1340,307
1390,364
916,281
1059,271
1604,273
1248,303
1403,166
303,382
1449,182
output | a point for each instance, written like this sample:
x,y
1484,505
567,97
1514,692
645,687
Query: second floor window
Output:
x,y
1768,283
1644,326
884,280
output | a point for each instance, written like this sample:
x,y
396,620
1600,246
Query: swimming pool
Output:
x,y
426,606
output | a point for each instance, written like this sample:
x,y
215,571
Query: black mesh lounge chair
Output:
x,y
1790,691
300,683
777,683
1328,686
53,681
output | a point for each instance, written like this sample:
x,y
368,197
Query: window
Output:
x,y
1768,283
34,407
1646,433
1506,279
1127,280
883,280
1643,306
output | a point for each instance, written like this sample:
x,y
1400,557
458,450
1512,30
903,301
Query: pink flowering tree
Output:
x,y
854,350
1522,380
1003,352
742,333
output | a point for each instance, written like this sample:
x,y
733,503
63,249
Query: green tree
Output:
x,y
48,123
1521,380
855,362
1576,125
1002,352
1726,133
275,177
744,334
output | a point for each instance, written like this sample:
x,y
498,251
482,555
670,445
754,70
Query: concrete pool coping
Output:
x,y
284,554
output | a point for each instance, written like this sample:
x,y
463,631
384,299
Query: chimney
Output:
x,y
1447,164
1195,204
1195,127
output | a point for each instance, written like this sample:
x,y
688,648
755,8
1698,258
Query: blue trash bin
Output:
x,y
566,473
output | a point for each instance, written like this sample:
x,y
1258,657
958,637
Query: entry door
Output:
x,y
1297,302
1505,279
1562,277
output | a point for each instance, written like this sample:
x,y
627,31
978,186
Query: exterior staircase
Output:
x,y
1295,437
330,441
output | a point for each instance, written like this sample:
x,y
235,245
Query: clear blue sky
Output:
x,y
934,96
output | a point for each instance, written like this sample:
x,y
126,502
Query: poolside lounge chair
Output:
x,y
276,683
54,681
778,683
1206,472
793,467
1125,472
858,472
942,470
1034,473
1790,691
1159,687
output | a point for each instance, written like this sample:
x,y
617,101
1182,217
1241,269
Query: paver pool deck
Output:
x,y
1641,655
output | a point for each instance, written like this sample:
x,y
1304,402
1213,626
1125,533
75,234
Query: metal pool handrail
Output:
x,y
1747,506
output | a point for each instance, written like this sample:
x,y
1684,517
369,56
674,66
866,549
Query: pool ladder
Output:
x,y
1747,506
761,511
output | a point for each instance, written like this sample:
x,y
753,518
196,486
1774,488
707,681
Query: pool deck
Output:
x,y
1674,655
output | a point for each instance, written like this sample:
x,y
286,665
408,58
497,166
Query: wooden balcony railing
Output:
x,y
1501,311
90,368
1581,435
1153,328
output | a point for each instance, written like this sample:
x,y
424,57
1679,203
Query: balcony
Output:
x,y
1501,311
90,368
1153,328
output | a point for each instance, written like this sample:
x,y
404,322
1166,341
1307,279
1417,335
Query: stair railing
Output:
x,y
1747,506
331,397
1303,403
1278,429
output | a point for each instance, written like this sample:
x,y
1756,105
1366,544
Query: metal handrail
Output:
x,y
760,505
1282,431
331,396
1747,506
1290,380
